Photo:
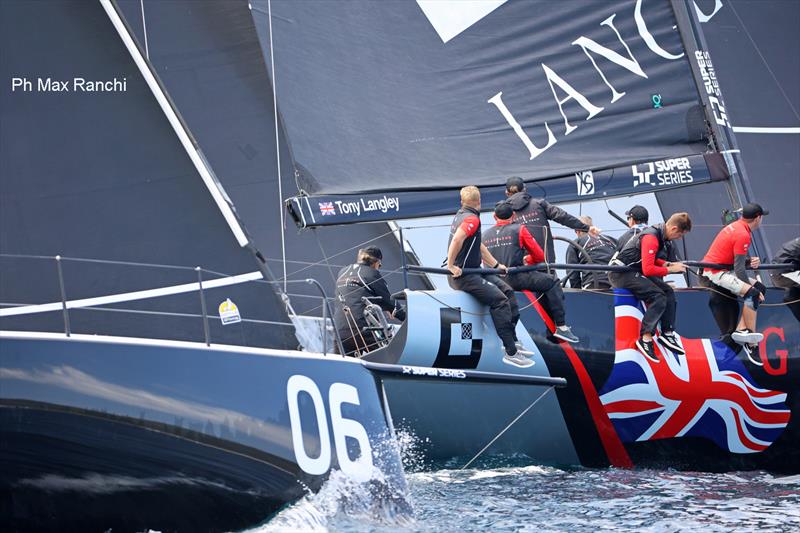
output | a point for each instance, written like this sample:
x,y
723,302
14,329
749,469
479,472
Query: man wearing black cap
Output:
x,y
355,282
513,245
730,247
466,250
536,213
637,221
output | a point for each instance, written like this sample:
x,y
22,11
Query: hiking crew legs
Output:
x,y
548,286
724,306
655,293
491,290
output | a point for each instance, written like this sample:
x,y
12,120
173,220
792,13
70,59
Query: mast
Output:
x,y
722,138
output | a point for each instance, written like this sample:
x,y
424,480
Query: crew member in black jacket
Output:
x,y
356,281
600,250
465,250
790,255
536,213
513,245
637,221
644,254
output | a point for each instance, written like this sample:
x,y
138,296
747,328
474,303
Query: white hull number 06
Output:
x,y
339,393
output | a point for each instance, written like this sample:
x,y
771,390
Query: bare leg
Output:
x,y
748,319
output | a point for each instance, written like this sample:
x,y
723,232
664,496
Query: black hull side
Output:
x,y
82,471
708,410
592,318
133,434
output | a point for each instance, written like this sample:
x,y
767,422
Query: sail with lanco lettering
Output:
x,y
391,106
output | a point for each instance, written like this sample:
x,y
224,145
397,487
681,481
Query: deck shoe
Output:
x,y
522,351
745,336
647,348
670,342
565,334
517,360
752,354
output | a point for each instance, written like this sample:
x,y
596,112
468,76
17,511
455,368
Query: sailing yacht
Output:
x,y
390,108
153,285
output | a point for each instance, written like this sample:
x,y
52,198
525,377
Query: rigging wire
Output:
x,y
277,143
548,389
144,29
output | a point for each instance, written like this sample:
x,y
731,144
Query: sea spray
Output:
x,y
378,498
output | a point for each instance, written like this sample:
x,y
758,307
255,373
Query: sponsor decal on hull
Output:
x,y
708,392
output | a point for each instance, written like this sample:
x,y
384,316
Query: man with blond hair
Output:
x,y
645,254
465,250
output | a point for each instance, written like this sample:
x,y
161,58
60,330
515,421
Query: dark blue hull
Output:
x,y
109,435
710,410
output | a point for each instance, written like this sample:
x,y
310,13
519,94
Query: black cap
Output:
x,y
752,210
373,251
638,213
515,181
503,210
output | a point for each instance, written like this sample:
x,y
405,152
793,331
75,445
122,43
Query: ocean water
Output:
x,y
513,497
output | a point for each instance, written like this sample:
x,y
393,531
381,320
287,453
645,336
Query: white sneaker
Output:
x,y
517,360
522,351
745,336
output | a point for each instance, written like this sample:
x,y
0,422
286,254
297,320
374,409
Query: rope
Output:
x,y
507,427
476,314
325,261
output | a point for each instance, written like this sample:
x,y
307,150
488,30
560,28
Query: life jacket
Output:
x,y
503,242
631,253
470,254
632,232
531,212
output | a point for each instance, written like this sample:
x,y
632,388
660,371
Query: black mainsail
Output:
x,y
755,56
385,116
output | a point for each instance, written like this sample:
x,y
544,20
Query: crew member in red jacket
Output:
x,y
513,245
645,253
730,247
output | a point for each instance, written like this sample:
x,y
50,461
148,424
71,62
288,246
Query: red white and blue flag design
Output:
x,y
326,208
706,393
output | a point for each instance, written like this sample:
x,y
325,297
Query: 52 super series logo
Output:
x,y
676,171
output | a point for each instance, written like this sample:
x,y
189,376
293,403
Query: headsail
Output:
x,y
102,175
209,57
376,101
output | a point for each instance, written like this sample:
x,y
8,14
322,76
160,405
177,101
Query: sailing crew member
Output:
x,y
513,245
536,213
644,253
465,250
730,247
637,221
356,281
789,280
600,250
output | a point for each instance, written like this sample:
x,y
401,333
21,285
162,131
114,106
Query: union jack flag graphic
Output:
x,y
326,208
706,393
